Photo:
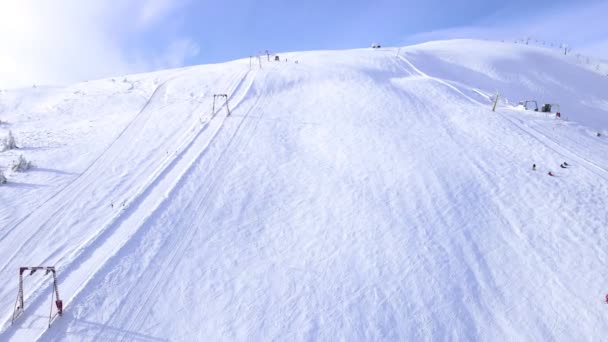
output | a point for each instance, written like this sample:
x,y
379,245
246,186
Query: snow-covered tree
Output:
x,y
8,143
21,164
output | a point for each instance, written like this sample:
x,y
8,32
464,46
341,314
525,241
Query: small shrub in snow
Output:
x,y
2,178
8,143
22,164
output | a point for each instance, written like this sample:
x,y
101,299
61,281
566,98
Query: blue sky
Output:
x,y
64,41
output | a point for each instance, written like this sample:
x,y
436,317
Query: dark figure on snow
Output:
x,y
550,174
533,167
566,164
562,166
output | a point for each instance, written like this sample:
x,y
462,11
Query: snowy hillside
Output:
x,y
353,195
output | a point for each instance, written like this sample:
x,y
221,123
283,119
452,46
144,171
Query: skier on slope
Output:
x,y
533,167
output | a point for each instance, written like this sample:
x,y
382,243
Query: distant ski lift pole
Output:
x,y
495,102
225,97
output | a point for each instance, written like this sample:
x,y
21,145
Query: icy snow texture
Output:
x,y
355,195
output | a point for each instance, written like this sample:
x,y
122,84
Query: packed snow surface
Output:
x,y
366,194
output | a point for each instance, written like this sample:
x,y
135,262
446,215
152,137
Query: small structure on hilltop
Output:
x,y
545,108
528,105
276,58
551,108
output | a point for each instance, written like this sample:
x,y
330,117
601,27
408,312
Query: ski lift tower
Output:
x,y
225,98
20,303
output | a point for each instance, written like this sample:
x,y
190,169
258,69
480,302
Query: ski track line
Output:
x,y
178,183
67,202
84,172
105,234
425,75
151,280
548,142
181,246
143,108
538,136
102,271
567,150
557,148
38,286
127,217
40,282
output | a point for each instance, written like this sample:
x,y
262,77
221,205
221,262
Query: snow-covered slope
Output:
x,y
354,195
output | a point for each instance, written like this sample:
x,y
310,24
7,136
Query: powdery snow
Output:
x,y
355,195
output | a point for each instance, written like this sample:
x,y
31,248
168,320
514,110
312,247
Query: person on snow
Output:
x,y
566,164
533,167
550,174
562,166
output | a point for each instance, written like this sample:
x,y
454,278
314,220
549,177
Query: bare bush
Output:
x,y
21,164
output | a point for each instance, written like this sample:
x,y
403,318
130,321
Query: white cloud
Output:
x,y
177,52
65,41
153,10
